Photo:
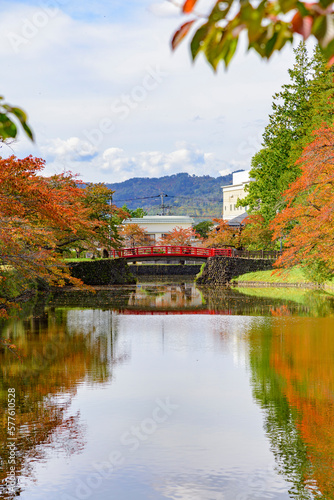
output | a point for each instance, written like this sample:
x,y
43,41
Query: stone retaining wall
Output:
x,y
103,272
220,270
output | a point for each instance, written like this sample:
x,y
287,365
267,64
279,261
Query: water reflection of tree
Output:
x,y
233,301
104,297
49,365
269,301
293,381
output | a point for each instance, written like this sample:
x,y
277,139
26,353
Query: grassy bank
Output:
x,y
293,275
295,294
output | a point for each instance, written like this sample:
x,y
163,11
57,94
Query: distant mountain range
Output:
x,y
197,196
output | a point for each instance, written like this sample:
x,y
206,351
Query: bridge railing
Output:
x,y
170,250
188,251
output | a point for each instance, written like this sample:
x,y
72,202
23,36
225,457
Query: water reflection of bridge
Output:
x,y
181,298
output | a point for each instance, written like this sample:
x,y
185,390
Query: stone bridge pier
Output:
x,y
220,270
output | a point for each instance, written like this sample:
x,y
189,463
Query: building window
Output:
x,y
150,239
231,208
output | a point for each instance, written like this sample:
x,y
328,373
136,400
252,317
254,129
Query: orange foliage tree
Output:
x,y
180,236
223,235
307,223
256,235
104,216
133,235
39,215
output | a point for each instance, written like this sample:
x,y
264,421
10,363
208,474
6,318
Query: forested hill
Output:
x,y
199,196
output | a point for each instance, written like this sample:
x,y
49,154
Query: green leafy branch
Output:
x,y
269,25
8,116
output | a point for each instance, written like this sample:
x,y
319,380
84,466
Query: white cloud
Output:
x,y
73,149
118,166
115,165
73,70
164,9
225,171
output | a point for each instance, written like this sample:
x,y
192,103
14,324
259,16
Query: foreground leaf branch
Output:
x,y
268,25
8,116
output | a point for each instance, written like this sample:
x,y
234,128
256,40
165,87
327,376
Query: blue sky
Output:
x,y
108,100
90,11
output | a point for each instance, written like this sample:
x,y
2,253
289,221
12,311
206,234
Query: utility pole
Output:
x,y
163,206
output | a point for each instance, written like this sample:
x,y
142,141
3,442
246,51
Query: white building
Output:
x,y
157,226
232,193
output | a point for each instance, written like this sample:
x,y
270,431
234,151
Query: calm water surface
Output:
x,y
161,391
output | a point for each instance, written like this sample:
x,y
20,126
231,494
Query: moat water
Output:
x,y
166,391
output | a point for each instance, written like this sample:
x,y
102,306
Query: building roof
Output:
x,y
161,219
236,221
238,179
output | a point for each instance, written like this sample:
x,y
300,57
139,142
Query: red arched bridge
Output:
x,y
170,252
186,252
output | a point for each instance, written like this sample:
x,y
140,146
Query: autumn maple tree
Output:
x,y
307,222
223,235
133,235
180,236
104,217
255,234
39,216
268,25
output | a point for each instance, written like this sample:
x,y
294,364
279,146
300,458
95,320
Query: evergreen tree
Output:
x,y
302,106
203,228
321,94
273,167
